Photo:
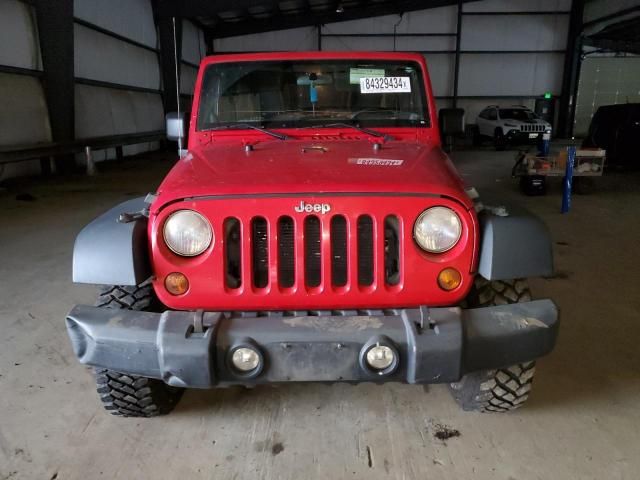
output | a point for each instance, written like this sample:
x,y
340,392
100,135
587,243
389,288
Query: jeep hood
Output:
x,y
312,167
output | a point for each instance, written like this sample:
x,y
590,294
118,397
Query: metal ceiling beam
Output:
x,y
612,16
612,45
626,30
205,8
282,21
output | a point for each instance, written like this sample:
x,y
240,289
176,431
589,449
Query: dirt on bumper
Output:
x,y
193,349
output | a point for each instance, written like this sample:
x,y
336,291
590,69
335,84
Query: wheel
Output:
x,y
503,389
499,141
140,297
477,138
131,395
134,396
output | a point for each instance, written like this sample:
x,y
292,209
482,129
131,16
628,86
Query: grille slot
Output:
x,y
312,252
232,253
365,250
391,250
532,128
339,251
260,252
286,252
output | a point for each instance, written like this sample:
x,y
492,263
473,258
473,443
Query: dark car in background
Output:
x,y
616,129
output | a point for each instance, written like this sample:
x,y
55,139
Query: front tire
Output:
x,y
132,395
504,389
140,297
477,138
499,140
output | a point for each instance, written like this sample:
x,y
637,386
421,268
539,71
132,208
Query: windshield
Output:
x,y
298,94
517,114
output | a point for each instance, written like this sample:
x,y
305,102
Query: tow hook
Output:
x,y
198,324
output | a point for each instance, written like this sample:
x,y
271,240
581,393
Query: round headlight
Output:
x,y
437,229
187,233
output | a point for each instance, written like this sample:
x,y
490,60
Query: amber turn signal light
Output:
x,y
176,283
449,279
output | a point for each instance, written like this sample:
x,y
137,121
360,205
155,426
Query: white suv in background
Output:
x,y
509,125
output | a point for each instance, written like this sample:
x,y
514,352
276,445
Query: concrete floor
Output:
x,y
583,419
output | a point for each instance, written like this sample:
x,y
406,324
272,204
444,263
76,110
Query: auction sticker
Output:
x,y
355,74
385,84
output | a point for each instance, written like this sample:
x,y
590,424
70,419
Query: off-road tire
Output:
x,y
131,395
134,396
504,389
498,292
140,297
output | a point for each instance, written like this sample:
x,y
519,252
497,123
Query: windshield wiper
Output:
x,y
242,126
366,131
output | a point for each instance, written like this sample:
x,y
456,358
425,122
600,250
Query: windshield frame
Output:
x,y
415,61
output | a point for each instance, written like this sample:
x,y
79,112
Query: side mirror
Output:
x,y
175,126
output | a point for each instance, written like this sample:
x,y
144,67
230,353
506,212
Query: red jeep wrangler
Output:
x,y
313,230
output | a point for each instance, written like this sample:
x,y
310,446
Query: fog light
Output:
x,y
449,279
176,283
245,359
380,357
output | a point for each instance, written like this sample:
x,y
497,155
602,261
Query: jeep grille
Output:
x,y
340,236
532,128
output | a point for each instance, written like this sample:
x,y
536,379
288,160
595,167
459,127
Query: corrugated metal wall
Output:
x,y
512,50
118,80
23,116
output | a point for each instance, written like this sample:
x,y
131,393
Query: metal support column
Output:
x,y
570,75
319,31
208,41
168,60
55,33
456,71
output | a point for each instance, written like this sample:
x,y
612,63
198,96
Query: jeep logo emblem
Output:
x,y
312,207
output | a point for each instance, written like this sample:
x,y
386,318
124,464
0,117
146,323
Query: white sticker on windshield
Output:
x,y
385,84
355,74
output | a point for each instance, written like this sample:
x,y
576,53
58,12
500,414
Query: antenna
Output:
x,y
395,26
175,58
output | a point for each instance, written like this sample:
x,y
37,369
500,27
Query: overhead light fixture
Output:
x,y
339,8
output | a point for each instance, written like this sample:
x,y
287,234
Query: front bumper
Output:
x,y
523,138
192,349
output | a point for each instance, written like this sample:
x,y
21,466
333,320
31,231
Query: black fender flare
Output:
x,y
514,246
109,252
